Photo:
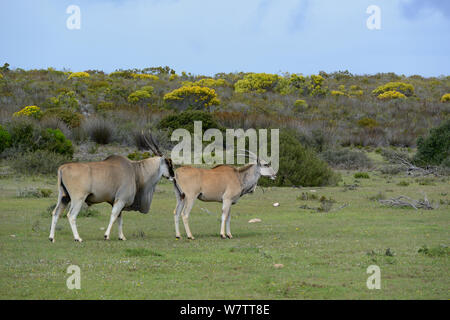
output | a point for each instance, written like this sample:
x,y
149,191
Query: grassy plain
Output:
x,y
324,254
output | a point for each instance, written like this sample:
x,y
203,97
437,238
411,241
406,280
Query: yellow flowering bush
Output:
x,y
139,95
356,93
338,93
388,95
445,97
173,77
144,76
207,82
256,82
29,111
300,103
368,123
1,76
404,88
64,99
194,97
78,75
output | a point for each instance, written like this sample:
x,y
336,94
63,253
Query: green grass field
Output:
x,y
325,254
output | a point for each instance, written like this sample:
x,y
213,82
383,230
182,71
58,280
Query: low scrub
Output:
x,y
361,175
438,251
38,162
346,159
71,118
99,130
34,193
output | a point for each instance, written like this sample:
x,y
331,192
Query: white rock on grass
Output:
x,y
276,204
254,220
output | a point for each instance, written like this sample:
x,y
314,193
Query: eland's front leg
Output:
x,y
176,217
226,206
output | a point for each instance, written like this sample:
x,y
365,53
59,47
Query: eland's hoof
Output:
x,y
78,240
122,238
223,236
229,236
51,240
106,237
191,238
177,237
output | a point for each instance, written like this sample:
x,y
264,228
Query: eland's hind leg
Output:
x,y
75,207
120,223
116,210
60,206
188,204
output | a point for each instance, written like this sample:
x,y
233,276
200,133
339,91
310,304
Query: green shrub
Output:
x,y
39,161
25,134
435,148
54,140
28,136
71,118
300,166
5,139
346,159
185,120
361,175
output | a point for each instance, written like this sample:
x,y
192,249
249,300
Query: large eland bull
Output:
x,y
222,183
124,184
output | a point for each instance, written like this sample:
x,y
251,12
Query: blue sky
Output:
x,y
208,36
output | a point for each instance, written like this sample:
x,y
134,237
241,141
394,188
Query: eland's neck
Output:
x,y
248,176
148,171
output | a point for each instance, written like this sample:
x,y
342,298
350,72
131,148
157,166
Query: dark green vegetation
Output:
x,y
435,148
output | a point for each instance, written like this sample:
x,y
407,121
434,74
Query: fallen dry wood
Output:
x,y
404,201
413,170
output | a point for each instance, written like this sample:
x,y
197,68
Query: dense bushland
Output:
x,y
326,111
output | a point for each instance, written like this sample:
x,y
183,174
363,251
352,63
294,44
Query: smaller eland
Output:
x,y
222,183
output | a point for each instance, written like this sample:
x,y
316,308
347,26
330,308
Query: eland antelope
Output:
x,y
222,183
124,184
